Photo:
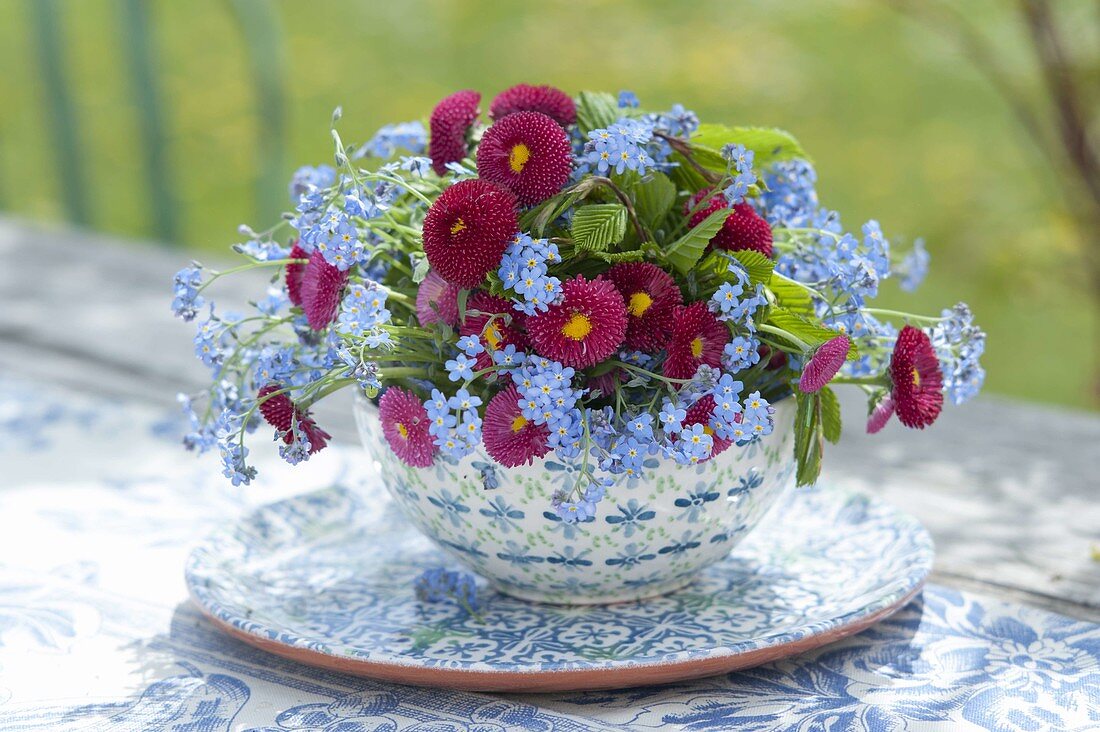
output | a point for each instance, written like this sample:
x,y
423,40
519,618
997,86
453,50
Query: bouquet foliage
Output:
x,y
580,276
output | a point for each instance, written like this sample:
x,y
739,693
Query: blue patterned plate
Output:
x,y
327,579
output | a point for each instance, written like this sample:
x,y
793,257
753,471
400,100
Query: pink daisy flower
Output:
x,y
450,123
586,327
279,412
405,425
509,438
554,103
487,317
320,290
698,338
880,415
528,153
917,391
824,364
467,230
650,294
437,301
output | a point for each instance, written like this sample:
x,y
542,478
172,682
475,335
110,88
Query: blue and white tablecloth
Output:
x,y
99,506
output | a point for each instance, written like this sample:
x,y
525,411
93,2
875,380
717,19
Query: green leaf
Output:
x,y
685,251
596,110
653,199
768,144
598,225
791,296
830,414
685,176
756,264
616,257
420,268
808,446
809,332
463,296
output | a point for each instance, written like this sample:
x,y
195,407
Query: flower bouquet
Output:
x,y
576,301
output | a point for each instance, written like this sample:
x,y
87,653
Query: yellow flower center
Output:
x,y
492,335
707,429
457,226
519,423
697,347
639,303
403,430
518,157
578,327
916,377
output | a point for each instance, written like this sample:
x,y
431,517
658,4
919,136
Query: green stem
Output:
x,y
768,328
899,314
251,265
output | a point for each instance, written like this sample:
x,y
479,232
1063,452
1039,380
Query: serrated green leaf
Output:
x,y
808,332
598,225
616,257
596,110
685,251
653,199
791,296
830,414
756,264
769,145
808,446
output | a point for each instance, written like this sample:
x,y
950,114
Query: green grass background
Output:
x,y
901,127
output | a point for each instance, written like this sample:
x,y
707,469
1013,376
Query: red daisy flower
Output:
x,y
918,382
880,415
824,364
700,413
294,272
320,290
744,228
554,103
586,327
450,122
405,425
467,230
698,338
528,153
437,301
509,438
650,294
279,412
487,317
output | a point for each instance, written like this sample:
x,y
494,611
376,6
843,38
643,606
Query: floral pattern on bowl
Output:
x,y
649,537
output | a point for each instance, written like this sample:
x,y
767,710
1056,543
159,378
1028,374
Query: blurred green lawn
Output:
x,y
901,127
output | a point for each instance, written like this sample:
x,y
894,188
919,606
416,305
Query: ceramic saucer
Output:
x,y
326,578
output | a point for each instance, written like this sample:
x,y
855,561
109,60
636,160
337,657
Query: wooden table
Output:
x,y
1009,489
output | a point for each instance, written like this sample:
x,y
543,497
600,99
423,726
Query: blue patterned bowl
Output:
x,y
649,537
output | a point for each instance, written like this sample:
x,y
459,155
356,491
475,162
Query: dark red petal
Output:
x,y
294,272
321,288
527,153
552,102
450,122
917,381
467,230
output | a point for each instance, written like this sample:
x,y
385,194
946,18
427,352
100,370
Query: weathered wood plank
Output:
x,y
1013,509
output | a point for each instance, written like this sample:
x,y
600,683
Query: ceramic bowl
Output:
x,y
650,536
